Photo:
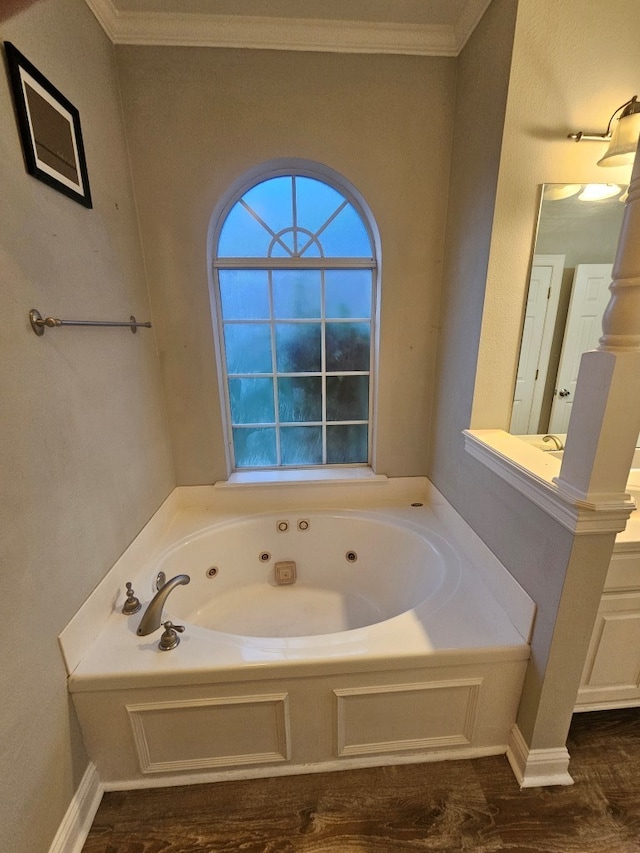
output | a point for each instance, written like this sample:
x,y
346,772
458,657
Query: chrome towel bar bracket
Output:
x,y
39,324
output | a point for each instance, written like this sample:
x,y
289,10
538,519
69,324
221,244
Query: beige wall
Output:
x,y
483,76
571,66
501,157
85,457
197,119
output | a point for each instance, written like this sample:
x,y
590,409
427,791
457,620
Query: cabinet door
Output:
x,y
611,676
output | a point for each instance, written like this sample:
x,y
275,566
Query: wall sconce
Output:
x,y
623,141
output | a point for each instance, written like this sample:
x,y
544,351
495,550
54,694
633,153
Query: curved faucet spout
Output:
x,y
557,441
152,618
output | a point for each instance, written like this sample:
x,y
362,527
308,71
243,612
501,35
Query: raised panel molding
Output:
x,y
611,674
238,31
200,734
616,662
392,718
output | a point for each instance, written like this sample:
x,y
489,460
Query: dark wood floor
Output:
x,y
450,806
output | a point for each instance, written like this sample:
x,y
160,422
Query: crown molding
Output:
x,y
107,16
468,21
235,31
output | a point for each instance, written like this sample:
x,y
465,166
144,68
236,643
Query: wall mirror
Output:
x,y
574,250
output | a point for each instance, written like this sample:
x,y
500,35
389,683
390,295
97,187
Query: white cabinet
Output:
x,y
611,675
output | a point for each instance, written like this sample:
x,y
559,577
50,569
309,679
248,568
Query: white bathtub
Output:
x,y
402,639
353,569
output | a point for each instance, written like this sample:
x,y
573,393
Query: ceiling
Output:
x,y
415,27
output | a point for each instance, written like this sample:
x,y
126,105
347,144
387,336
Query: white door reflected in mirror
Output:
x,y
589,297
576,241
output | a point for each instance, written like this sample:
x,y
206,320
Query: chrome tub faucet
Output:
x,y
557,441
152,618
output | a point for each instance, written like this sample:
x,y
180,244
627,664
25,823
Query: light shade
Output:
x,y
598,192
624,139
558,192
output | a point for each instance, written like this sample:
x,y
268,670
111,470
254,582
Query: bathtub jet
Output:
x,y
152,618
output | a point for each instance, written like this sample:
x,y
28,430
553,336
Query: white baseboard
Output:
x,y
75,826
535,768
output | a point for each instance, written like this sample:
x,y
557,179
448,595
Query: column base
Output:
x,y
535,768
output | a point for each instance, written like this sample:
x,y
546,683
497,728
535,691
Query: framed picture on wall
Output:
x,y
49,129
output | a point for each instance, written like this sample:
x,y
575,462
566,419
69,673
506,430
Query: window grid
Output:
x,y
276,402
294,211
323,362
293,259
274,375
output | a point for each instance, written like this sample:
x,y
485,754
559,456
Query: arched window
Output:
x,y
295,286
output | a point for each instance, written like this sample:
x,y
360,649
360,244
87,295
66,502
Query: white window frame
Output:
x,y
302,168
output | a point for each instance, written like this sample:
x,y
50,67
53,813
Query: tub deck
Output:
x,y
465,629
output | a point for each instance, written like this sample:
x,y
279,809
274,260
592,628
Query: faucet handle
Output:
x,y
131,605
169,639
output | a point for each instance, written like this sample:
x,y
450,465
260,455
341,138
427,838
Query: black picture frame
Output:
x,y
50,130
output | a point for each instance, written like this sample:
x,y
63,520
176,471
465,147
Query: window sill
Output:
x,y
302,475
